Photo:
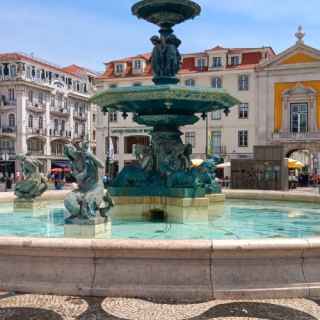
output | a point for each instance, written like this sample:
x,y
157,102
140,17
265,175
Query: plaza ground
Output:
x,y
40,307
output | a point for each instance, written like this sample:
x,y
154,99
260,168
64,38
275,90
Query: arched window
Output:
x,y
76,128
190,83
216,83
40,122
12,120
63,125
30,121
56,124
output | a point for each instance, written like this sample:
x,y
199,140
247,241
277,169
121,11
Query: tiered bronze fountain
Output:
x,y
165,174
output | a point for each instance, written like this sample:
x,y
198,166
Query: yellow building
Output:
x,y
288,101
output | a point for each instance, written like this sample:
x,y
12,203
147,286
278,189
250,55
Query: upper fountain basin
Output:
x,y
164,99
166,13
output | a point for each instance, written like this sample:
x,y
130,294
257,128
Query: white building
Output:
x,y
42,107
230,69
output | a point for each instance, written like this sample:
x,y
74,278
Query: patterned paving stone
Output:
x,y
47,307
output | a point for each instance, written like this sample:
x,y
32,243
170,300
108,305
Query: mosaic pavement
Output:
x,y
40,307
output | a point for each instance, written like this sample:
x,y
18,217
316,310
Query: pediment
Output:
x,y
296,55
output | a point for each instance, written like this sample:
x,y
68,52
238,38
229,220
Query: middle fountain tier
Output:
x,y
165,178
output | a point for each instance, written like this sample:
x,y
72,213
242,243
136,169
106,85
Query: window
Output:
x,y
216,83
113,116
190,82
12,120
244,111
40,122
137,84
29,72
76,128
201,63
137,65
243,138
93,118
113,148
56,124
30,121
299,117
216,62
63,125
113,86
235,60
190,138
244,82
11,94
40,98
216,115
30,96
13,70
52,101
94,134
216,142
119,68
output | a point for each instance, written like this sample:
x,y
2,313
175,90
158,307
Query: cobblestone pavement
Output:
x,y
41,307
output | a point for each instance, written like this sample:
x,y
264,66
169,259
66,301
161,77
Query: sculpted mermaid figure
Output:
x,y
33,184
90,200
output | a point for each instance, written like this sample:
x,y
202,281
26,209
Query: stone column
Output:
x,y
21,121
121,152
47,123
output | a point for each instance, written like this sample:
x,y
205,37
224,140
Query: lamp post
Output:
x,y
108,144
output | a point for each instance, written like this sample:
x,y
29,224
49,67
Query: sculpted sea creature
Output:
x,y
90,200
33,184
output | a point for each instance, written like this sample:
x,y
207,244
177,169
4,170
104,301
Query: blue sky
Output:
x,y
89,32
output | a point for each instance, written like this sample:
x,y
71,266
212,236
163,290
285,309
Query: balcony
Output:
x,y
80,116
8,131
295,136
36,152
56,133
36,107
37,131
60,112
7,155
7,104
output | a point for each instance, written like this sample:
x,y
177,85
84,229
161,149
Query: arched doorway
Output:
x,y
309,175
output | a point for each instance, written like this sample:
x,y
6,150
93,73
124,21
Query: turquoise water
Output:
x,y
236,220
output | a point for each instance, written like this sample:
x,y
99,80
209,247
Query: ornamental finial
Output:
x,y
300,34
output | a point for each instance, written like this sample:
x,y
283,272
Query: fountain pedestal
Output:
x,y
29,204
91,229
175,210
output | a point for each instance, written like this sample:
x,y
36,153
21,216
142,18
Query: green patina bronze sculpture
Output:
x,y
90,202
165,166
33,183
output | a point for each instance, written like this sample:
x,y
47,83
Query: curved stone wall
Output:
x,y
182,270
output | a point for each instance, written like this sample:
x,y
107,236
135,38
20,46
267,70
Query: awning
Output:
x,y
295,164
224,165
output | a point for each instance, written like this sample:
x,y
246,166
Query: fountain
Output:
x,y
165,179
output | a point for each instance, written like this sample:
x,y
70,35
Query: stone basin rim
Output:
x,y
160,245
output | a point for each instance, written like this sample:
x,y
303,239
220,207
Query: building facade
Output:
x,y
42,107
232,135
288,91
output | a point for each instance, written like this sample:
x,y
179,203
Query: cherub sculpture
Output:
x,y
90,200
33,184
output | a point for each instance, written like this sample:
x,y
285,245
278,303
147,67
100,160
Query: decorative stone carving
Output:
x,y
34,184
90,201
